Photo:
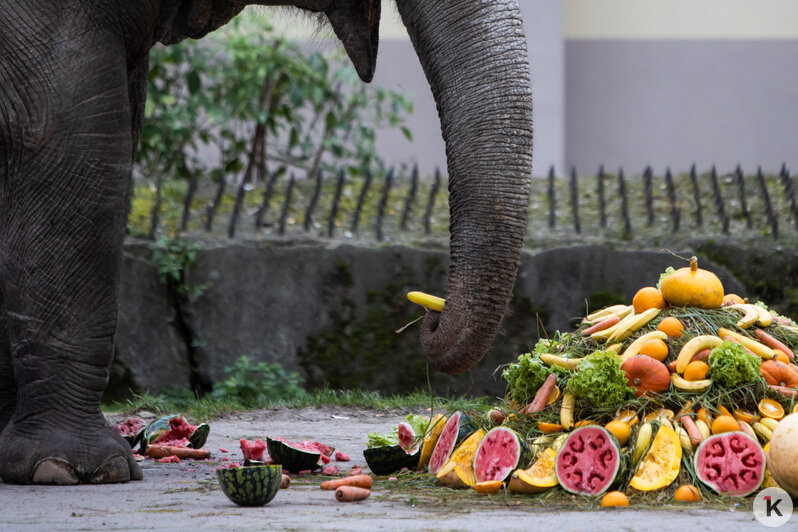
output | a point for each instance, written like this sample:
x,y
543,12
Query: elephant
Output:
x,y
73,79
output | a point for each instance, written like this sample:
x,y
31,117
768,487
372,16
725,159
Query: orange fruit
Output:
x,y
614,498
770,408
724,411
732,299
627,416
781,356
704,416
646,298
696,370
662,412
687,493
620,430
742,415
655,348
489,487
549,427
723,424
671,326
794,409
554,395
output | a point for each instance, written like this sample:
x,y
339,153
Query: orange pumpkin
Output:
x,y
779,374
692,287
646,374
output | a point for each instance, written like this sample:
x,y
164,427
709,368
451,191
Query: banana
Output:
x,y
750,314
683,385
427,301
615,310
642,441
684,438
764,432
634,347
615,347
755,347
694,346
567,363
602,336
622,333
765,317
567,411
703,428
769,423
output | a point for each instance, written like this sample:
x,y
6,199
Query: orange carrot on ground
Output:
x,y
772,343
351,493
162,451
285,481
359,481
600,326
542,395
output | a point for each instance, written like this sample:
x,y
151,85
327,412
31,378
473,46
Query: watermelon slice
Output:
x,y
252,450
458,427
407,437
298,456
731,463
589,461
500,452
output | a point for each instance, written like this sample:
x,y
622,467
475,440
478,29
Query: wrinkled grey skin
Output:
x,y
72,86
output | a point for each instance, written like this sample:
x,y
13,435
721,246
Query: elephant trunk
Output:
x,y
474,55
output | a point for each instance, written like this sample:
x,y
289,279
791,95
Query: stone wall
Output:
x,y
330,312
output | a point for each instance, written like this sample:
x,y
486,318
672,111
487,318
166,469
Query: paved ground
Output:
x,y
185,496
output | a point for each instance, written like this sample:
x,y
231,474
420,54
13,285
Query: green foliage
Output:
x,y
255,384
600,380
172,257
524,377
669,270
730,365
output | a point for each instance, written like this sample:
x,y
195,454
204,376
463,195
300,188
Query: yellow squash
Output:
x,y
660,466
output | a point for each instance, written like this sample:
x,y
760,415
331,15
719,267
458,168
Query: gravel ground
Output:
x,y
185,496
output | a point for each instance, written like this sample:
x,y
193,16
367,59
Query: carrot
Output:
x,y
359,481
285,481
600,326
542,395
351,493
789,392
162,451
672,366
692,430
702,355
772,343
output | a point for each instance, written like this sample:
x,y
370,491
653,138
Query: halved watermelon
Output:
x,y
500,452
458,427
294,456
731,463
407,437
174,430
589,461
386,459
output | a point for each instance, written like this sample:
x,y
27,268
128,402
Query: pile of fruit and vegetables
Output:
x,y
686,392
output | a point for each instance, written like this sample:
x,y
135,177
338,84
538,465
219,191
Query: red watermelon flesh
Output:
x,y
308,445
179,429
253,450
498,455
588,461
129,427
407,437
731,463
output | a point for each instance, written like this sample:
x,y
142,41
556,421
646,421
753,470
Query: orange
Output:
x,y
724,411
781,356
770,408
646,298
671,326
489,487
794,409
620,430
732,299
614,498
554,395
742,415
687,493
704,416
655,348
549,427
724,424
627,416
696,370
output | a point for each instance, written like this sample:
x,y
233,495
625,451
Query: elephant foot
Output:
x,y
58,456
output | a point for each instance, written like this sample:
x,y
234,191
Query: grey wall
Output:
x,y
674,102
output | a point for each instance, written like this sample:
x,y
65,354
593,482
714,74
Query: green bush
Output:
x,y
258,384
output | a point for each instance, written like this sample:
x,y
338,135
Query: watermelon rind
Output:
x,y
250,486
159,426
465,426
291,458
387,459
588,433
522,457
703,450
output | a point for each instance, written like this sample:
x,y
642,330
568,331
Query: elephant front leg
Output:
x,y
64,189
8,387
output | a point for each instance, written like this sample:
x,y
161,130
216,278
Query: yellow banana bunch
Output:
x,y
752,345
639,320
615,310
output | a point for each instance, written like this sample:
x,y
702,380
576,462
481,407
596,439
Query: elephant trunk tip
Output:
x,y
450,349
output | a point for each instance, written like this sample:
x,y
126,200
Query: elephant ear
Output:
x,y
357,24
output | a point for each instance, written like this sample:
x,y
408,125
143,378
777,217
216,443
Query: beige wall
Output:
x,y
681,19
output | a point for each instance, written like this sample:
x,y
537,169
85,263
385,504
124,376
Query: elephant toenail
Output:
x,y
114,469
54,471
